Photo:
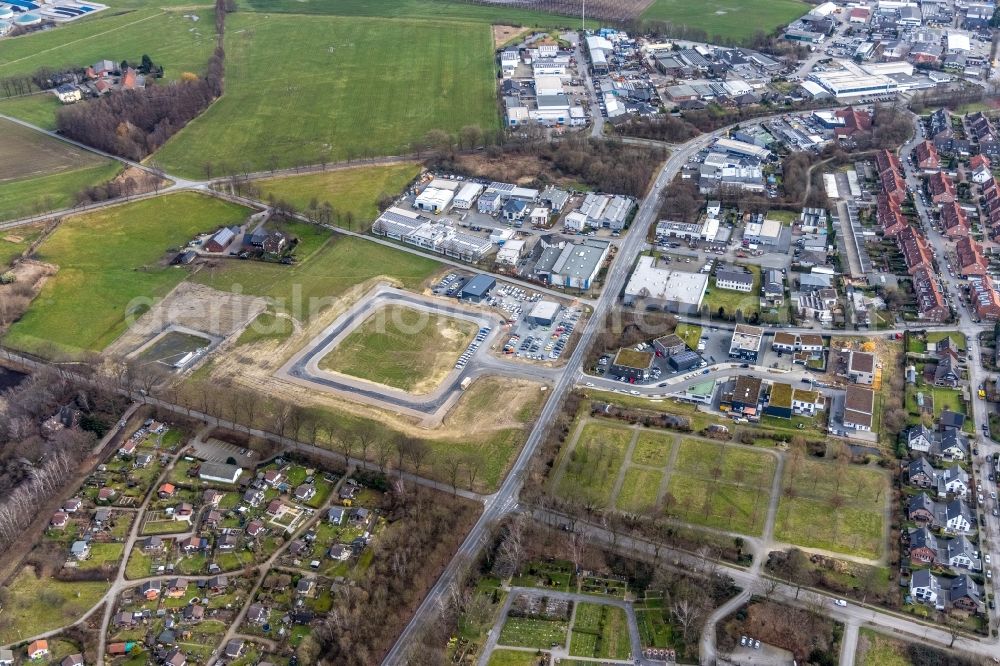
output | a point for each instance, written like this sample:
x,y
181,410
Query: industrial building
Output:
x,y
219,472
746,342
414,229
466,196
544,313
632,365
478,288
684,361
571,265
652,288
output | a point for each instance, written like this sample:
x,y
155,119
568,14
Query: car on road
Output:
x,y
987,558
743,641
989,573
756,644
839,602
590,384
993,496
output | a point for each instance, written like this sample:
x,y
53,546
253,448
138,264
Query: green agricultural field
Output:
x,y
531,632
352,191
34,605
179,44
834,507
403,348
416,9
111,269
37,109
328,266
592,466
600,631
639,490
16,241
729,19
349,88
30,196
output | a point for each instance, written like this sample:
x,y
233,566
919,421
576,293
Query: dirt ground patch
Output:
x,y
493,403
502,34
142,181
520,169
29,276
193,306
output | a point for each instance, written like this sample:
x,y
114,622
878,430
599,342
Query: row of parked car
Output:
x,y
473,346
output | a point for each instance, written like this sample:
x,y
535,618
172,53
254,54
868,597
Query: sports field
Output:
x,y
834,507
111,264
347,88
401,347
730,19
355,191
326,267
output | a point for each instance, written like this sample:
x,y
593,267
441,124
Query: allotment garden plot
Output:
x,y
833,506
693,480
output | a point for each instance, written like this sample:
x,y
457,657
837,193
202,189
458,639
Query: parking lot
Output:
x,y
542,343
473,346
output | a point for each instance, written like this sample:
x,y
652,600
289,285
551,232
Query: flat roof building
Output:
x,y
578,265
655,288
478,288
220,472
544,313
746,342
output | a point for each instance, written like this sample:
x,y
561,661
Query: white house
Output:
x,y
957,517
953,480
926,588
68,93
961,553
539,216
919,438
575,221
807,403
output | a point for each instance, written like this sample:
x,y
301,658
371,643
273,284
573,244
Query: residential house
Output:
x,y
965,595
305,492
960,553
861,367
194,613
175,658
143,460
152,543
923,546
80,550
954,222
339,552
176,588
149,590
6,657
784,342
979,169
218,584
227,542
234,648
919,438
38,649
950,444
927,156
274,478
859,408
253,497
925,588
256,614
255,528
59,520
72,505
124,619
946,372
956,517
921,509
335,515
969,258
806,402
931,304
744,396
734,279
106,494
305,586
772,288
921,473
953,481
166,491
941,188
212,497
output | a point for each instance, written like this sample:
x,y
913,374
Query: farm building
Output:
x,y
544,313
221,240
478,288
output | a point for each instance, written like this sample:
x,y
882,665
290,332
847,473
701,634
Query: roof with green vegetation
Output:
x,y
781,395
630,358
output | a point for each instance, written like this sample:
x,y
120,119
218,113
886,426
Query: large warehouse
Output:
x,y
664,289
478,288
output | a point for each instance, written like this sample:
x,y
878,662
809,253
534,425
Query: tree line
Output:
x,y
135,123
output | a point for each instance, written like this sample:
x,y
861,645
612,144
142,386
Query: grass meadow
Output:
x,y
732,20
106,259
401,347
35,605
349,88
834,507
16,241
593,464
37,109
353,191
452,10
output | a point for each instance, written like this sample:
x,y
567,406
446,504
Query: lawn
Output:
x,y
353,191
720,486
356,87
35,605
102,554
652,448
877,650
30,196
689,333
600,631
16,241
732,301
593,464
319,277
139,564
513,658
730,19
532,632
956,337
834,507
111,269
639,490
654,630
401,347
266,327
